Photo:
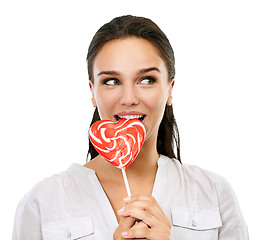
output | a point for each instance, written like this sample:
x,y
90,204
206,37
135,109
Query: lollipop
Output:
x,y
119,143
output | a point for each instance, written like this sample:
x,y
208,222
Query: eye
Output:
x,y
111,82
147,81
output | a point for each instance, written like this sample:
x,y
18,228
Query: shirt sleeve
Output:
x,y
233,223
27,222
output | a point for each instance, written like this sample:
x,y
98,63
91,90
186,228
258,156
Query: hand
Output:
x,y
151,222
125,224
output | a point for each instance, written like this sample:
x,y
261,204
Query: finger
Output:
x,y
127,221
147,205
138,214
139,225
124,225
144,232
137,233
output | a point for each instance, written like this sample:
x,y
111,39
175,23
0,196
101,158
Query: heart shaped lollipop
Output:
x,y
119,143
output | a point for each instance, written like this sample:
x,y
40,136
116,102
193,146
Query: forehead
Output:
x,y
128,54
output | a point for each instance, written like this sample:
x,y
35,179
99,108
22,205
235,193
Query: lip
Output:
x,y
127,113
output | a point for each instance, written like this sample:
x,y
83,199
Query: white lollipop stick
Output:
x,y
126,182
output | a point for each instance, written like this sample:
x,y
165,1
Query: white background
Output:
x,y
223,98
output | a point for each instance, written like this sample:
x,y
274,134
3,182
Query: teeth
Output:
x,y
131,116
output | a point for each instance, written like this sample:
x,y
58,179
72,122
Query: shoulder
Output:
x,y
55,186
195,174
203,176
201,185
208,178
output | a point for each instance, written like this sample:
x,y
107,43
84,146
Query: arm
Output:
x,y
234,226
27,222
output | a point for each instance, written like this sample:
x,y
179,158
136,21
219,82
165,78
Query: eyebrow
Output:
x,y
140,72
108,73
146,70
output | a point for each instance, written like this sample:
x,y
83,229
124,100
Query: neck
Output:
x,y
146,161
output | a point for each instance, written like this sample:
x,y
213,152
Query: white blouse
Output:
x,y
73,205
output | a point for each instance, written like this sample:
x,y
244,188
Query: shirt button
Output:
x,y
68,235
194,223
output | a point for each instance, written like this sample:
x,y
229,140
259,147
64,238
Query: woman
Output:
x,y
131,73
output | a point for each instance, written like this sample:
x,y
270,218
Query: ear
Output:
x,y
171,85
93,96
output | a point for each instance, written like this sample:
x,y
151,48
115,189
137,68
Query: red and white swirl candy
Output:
x,y
119,143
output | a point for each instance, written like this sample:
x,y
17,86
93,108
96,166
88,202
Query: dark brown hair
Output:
x,y
131,26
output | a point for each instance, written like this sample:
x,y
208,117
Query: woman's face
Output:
x,y
131,81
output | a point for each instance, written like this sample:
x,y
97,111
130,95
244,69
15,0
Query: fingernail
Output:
x,y
127,199
124,234
121,210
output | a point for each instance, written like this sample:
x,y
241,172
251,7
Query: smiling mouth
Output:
x,y
139,117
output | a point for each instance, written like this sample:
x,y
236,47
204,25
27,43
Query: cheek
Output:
x,y
103,98
156,102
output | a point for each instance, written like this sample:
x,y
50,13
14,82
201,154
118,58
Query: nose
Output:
x,y
129,95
